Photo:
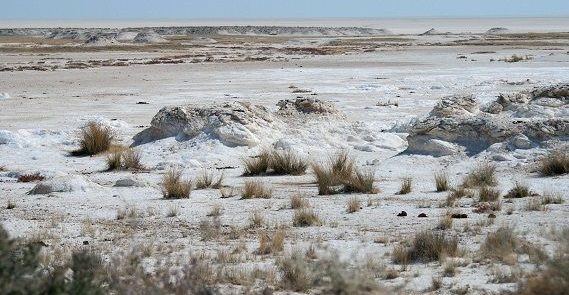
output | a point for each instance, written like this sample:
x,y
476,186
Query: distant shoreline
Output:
x,y
408,25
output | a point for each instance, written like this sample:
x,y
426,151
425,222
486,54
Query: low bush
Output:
x,y
557,163
94,139
441,182
305,217
519,190
256,189
208,180
426,247
173,187
406,186
482,175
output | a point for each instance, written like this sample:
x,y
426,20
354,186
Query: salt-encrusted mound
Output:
x,y
495,31
68,183
126,36
4,95
101,40
523,120
233,123
289,107
433,32
148,37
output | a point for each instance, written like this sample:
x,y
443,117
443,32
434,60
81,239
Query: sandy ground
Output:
x,y
45,109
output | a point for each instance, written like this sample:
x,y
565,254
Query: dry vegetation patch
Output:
x,y
30,177
441,182
426,247
127,159
256,189
556,163
305,217
340,175
482,175
299,202
406,186
209,180
94,139
276,162
174,187
520,190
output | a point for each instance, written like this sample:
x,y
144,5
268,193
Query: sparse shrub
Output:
x,y
483,175
208,180
257,165
488,194
295,272
456,194
449,269
215,211
354,205
406,186
256,189
10,205
173,211
341,176
441,182
227,192
30,177
552,198
173,187
519,190
94,139
445,223
128,212
3,168
305,217
256,219
500,244
124,160
210,229
534,204
298,202
271,243
557,163
426,247
287,163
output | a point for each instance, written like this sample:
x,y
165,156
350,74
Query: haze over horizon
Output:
x,y
262,9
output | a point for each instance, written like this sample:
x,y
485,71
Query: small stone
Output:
x,y
492,215
85,242
459,215
422,215
403,213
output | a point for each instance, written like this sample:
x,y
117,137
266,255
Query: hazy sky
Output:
x,y
200,9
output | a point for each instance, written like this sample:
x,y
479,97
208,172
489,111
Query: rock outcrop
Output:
x,y
289,107
459,124
233,123
68,183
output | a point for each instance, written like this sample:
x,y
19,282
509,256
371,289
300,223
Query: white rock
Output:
x,y
129,182
69,183
4,95
521,142
364,148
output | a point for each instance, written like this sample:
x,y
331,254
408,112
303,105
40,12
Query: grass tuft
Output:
x,y
487,194
208,180
519,190
557,163
258,165
482,175
354,205
298,202
441,182
173,187
271,243
256,190
128,159
406,186
339,175
426,247
94,139
305,217
287,163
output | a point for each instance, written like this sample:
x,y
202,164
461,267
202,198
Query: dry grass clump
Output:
x,y
406,186
208,180
534,204
552,198
354,205
173,187
256,190
305,217
298,202
287,163
271,243
445,222
128,159
557,163
455,195
215,211
488,194
341,176
296,274
94,139
10,205
500,244
441,182
257,165
275,162
256,219
554,279
227,192
519,190
173,211
30,177
483,175
426,247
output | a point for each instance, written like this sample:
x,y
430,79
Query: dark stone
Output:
x,y
492,215
85,242
422,215
142,102
403,213
459,215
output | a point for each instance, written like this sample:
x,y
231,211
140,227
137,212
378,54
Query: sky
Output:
x,y
254,9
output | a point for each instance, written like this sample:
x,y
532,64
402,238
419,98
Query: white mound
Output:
x,y
68,183
148,37
126,36
433,32
4,95
101,40
498,30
